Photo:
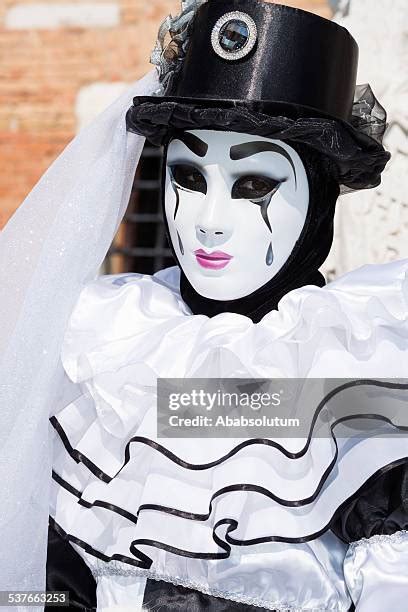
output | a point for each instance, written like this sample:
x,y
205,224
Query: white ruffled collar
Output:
x,y
334,331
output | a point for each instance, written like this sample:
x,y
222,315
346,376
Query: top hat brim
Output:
x,y
354,147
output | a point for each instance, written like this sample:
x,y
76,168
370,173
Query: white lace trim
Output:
x,y
395,538
116,568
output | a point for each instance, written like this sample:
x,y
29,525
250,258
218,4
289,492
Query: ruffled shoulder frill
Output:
x,y
124,494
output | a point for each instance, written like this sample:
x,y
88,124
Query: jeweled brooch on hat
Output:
x,y
234,35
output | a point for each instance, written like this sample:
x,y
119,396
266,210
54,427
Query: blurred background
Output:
x,y
62,62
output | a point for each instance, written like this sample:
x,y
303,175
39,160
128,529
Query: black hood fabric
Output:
x,y
302,266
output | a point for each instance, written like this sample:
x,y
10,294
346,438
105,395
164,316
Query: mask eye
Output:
x,y
188,177
254,187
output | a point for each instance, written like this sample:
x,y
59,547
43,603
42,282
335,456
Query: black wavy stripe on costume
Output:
x,y
377,509
144,562
80,457
67,571
380,508
386,492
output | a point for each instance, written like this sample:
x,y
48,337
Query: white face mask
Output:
x,y
235,205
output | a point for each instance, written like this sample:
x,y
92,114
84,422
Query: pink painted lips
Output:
x,y
216,260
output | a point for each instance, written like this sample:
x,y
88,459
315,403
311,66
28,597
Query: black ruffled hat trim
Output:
x,y
354,147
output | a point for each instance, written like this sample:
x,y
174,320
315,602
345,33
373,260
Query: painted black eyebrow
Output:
x,y
246,149
193,142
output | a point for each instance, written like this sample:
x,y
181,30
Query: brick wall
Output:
x,y
48,53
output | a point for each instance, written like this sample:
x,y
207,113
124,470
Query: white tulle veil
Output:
x,y
51,247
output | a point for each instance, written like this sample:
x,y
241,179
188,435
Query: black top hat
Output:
x,y
270,70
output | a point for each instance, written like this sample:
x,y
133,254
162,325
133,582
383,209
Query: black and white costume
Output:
x,y
322,560
230,524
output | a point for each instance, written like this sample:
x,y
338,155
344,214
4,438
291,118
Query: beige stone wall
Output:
x,y
49,52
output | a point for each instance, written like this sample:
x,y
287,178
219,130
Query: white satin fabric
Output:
x,y
376,573
128,330
120,592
